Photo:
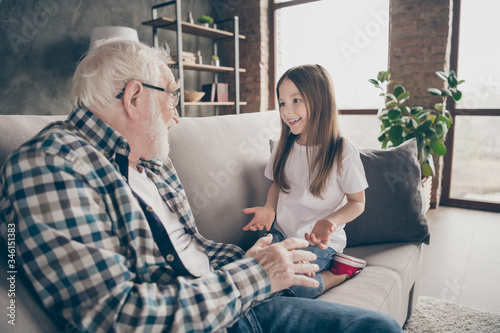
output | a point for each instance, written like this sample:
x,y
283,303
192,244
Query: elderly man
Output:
x,y
106,234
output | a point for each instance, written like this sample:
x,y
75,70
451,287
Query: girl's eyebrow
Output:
x,y
294,94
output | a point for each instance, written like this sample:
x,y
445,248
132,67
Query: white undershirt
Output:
x,y
190,253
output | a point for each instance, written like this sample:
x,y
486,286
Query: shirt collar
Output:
x,y
99,134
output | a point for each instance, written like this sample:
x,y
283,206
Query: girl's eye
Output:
x,y
282,104
296,100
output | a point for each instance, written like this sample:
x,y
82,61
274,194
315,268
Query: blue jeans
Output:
x,y
324,260
294,314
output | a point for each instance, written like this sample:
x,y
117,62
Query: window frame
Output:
x,y
448,158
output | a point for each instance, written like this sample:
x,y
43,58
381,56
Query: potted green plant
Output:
x,y
205,20
400,122
215,61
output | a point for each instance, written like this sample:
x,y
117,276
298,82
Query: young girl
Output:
x,y
318,178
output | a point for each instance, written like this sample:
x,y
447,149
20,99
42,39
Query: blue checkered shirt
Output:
x,y
85,243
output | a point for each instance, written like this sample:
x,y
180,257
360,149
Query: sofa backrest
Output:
x,y
22,311
221,162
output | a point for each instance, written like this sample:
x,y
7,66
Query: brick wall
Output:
x,y
420,45
254,54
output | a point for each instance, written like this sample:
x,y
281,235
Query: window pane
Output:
x,y
361,130
476,159
479,54
349,38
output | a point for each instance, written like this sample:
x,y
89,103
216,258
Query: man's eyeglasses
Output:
x,y
174,95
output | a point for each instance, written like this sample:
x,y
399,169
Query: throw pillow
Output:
x,y
394,201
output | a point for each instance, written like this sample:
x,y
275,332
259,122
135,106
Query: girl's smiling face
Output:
x,y
293,109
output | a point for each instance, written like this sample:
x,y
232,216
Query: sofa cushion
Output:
x,y
394,209
385,283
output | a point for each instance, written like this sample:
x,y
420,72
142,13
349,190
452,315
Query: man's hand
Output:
x,y
283,263
320,235
263,218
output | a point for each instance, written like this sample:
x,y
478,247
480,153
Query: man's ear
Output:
x,y
131,96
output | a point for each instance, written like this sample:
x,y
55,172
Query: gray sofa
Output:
x,y
221,161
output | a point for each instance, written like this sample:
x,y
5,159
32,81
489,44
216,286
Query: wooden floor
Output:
x,y
462,262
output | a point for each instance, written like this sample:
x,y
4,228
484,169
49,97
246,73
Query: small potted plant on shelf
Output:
x,y
215,61
400,122
205,20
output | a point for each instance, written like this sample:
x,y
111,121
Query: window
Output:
x,y
472,167
349,38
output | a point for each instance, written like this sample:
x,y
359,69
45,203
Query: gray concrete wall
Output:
x,y
41,42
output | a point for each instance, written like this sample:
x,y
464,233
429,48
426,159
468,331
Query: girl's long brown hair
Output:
x,y
316,86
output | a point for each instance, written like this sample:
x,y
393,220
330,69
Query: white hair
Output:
x,y
106,69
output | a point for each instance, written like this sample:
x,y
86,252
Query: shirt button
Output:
x,y
149,208
123,146
170,257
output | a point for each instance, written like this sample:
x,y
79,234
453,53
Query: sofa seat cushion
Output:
x,y
385,283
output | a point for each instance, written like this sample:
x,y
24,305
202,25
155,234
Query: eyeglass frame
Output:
x,y
175,93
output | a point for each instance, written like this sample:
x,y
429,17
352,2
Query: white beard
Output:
x,y
158,134
161,146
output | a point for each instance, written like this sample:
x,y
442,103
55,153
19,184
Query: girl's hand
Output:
x,y
320,235
263,218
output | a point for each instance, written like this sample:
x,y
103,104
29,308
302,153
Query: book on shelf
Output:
x,y
215,92
187,57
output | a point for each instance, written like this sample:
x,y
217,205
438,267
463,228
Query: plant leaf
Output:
x,y
457,95
434,91
411,123
382,76
423,114
442,75
398,90
452,80
394,114
386,76
416,109
438,147
375,82
391,97
446,121
404,97
396,135
426,169
445,92
430,132
425,125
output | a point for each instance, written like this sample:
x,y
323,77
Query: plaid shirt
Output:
x,y
86,245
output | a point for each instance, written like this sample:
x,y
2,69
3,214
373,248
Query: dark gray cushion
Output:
x,y
394,210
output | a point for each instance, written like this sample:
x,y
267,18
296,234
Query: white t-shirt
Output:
x,y
298,210
191,255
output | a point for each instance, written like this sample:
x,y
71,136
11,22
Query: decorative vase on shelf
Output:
x,y
190,17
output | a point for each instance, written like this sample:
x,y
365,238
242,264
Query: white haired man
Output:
x,y
105,232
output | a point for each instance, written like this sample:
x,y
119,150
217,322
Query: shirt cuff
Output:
x,y
252,281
